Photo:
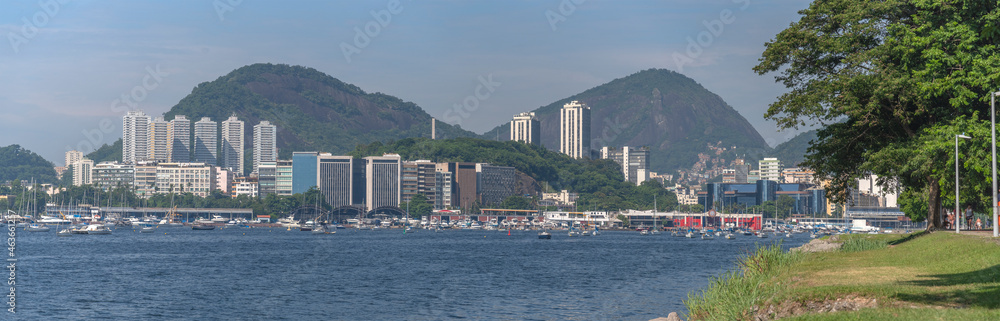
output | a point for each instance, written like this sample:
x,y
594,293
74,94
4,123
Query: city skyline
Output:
x,y
75,71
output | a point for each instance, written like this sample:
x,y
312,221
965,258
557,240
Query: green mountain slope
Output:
x,y
19,163
107,153
669,112
313,111
793,152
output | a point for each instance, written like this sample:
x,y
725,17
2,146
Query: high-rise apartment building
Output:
x,y
634,162
419,177
180,139
83,172
442,189
206,146
159,142
382,177
232,145
265,144
525,128
135,136
770,169
574,130
73,156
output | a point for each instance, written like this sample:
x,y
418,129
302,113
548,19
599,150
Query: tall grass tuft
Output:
x,y
732,295
857,244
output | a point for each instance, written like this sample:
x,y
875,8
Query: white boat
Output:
x,y
730,236
219,219
97,229
148,229
573,233
689,235
37,228
707,236
644,232
65,232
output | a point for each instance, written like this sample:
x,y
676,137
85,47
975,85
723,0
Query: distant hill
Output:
x,y
19,163
312,110
107,153
793,152
670,113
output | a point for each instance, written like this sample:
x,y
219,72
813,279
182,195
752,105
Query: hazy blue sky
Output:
x,y
65,66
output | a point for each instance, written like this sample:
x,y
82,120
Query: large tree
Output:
x,y
880,76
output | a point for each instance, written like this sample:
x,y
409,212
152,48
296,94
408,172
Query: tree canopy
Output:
x,y
891,81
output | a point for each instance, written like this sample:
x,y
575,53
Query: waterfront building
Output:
x,y
266,178
158,141
196,178
419,177
463,188
135,136
442,189
718,196
145,179
574,130
206,133
232,145
337,179
382,181
634,161
243,185
283,177
73,156
83,171
108,175
180,139
265,144
224,179
494,183
525,128
770,169
563,197
304,166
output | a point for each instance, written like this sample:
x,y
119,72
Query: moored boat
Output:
x,y
544,235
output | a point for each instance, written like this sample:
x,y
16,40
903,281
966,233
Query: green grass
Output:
x,y
936,276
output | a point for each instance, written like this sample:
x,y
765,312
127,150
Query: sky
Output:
x,y
69,69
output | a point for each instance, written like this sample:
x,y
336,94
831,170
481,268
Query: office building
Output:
x,y
283,178
574,130
382,181
180,139
109,175
232,145
265,144
83,171
464,184
135,136
634,161
419,177
159,143
770,169
337,180
206,147
266,178
304,166
525,128
494,183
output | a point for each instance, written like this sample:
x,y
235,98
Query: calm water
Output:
x,y
268,274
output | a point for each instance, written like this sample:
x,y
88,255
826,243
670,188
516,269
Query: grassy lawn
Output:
x,y
937,276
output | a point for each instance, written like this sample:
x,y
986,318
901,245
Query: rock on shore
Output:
x,y
819,245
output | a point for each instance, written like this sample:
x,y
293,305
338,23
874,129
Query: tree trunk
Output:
x,y
934,217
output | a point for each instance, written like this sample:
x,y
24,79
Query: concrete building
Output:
x,y
798,176
265,144
338,180
382,177
108,175
206,141
135,136
159,143
564,197
770,169
283,178
464,184
574,130
634,161
266,178
232,145
145,179
73,156
304,167
741,171
419,177
196,178
494,183
180,139
442,189
243,185
525,128
224,179
83,172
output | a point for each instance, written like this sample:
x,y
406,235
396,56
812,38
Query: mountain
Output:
x,y
312,110
673,115
19,163
107,153
793,152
